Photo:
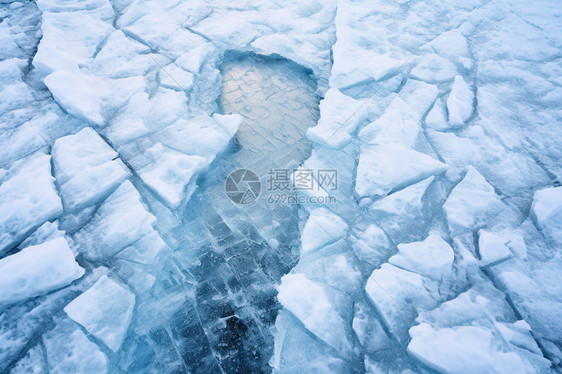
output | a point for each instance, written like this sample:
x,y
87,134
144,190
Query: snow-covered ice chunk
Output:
x,y
492,248
47,231
87,168
193,59
436,117
383,168
69,351
296,350
337,120
476,306
88,97
144,250
69,40
129,123
519,334
419,96
119,221
121,57
398,294
29,137
101,8
433,68
368,328
460,102
169,173
15,96
105,310
76,95
27,200
37,270
322,227
370,245
202,136
401,214
336,271
432,257
309,302
8,46
10,70
484,309
397,125
537,297
451,44
361,65
547,208
511,172
472,204
463,349
176,78
31,363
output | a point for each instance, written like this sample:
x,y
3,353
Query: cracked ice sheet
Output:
x,y
506,52
459,57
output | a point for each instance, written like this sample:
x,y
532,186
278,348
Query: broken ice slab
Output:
x,y
309,302
492,248
464,349
120,221
169,173
32,363
401,214
47,231
321,228
474,332
296,350
37,270
87,168
74,92
472,204
398,294
371,246
547,209
460,102
338,120
69,351
432,257
383,168
105,311
28,198
433,68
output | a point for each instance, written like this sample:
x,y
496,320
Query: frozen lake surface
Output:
x,y
130,243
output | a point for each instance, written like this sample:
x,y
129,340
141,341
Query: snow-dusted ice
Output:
x,y
36,270
438,251
28,198
105,310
